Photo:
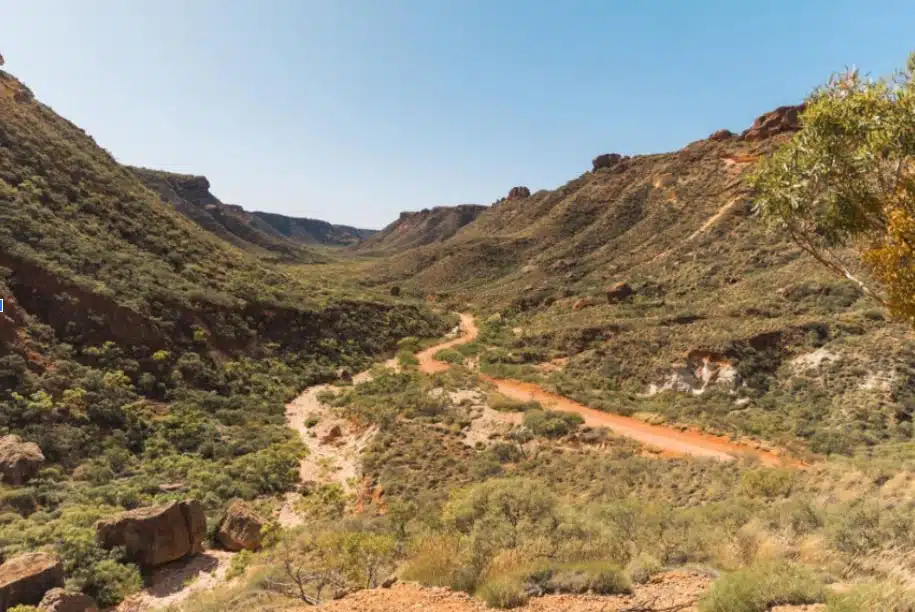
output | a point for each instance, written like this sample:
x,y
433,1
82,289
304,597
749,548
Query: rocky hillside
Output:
x,y
428,226
143,358
652,273
258,232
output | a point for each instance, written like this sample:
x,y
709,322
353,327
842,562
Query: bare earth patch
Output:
x,y
175,582
334,445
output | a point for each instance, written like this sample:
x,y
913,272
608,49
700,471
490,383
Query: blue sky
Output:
x,y
354,110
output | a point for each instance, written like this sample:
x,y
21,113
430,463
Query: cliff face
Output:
x,y
258,231
415,229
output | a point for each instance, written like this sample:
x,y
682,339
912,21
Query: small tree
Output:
x,y
843,188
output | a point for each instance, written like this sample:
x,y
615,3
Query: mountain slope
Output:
x,y
256,231
652,274
414,229
139,350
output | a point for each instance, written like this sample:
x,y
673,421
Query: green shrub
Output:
x,y
598,577
504,593
759,587
551,423
239,564
503,403
643,567
407,359
768,483
450,355
887,596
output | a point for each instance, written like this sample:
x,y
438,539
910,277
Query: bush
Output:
x,y
758,588
503,403
551,424
889,596
768,483
407,359
450,355
598,577
504,593
642,568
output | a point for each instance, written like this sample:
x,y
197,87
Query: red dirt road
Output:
x,y
666,439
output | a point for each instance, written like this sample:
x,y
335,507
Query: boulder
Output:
x,y
395,290
19,461
26,578
607,160
240,527
519,192
782,119
618,292
155,535
721,135
345,375
60,600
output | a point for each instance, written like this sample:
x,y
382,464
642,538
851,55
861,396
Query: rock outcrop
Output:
x,y
241,527
156,535
618,292
519,192
61,600
607,160
19,461
721,135
26,578
782,119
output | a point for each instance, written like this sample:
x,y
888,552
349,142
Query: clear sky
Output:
x,y
354,110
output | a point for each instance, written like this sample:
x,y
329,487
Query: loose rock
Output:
x,y
26,578
158,534
618,292
19,460
60,600
241,528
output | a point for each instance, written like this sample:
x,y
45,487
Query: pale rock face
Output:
x,y
701,372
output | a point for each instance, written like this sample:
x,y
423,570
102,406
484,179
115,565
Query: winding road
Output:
x,y
668,440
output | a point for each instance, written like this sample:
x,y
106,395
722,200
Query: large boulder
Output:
x,y
618,292
26,578
721,135
156,535
519,192
241,527
19,461
60,600
782,119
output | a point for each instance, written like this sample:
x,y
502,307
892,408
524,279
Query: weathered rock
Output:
x,y
240,527
26,578
345,375
19,461
156,535
721,135
519,192
60,600
782,119
618,292
607,160
395,290
173,487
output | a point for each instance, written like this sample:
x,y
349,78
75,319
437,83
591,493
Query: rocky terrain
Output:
x,y
257,231
648,400
414,229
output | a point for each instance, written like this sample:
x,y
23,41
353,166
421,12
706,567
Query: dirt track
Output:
x,y
666,439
